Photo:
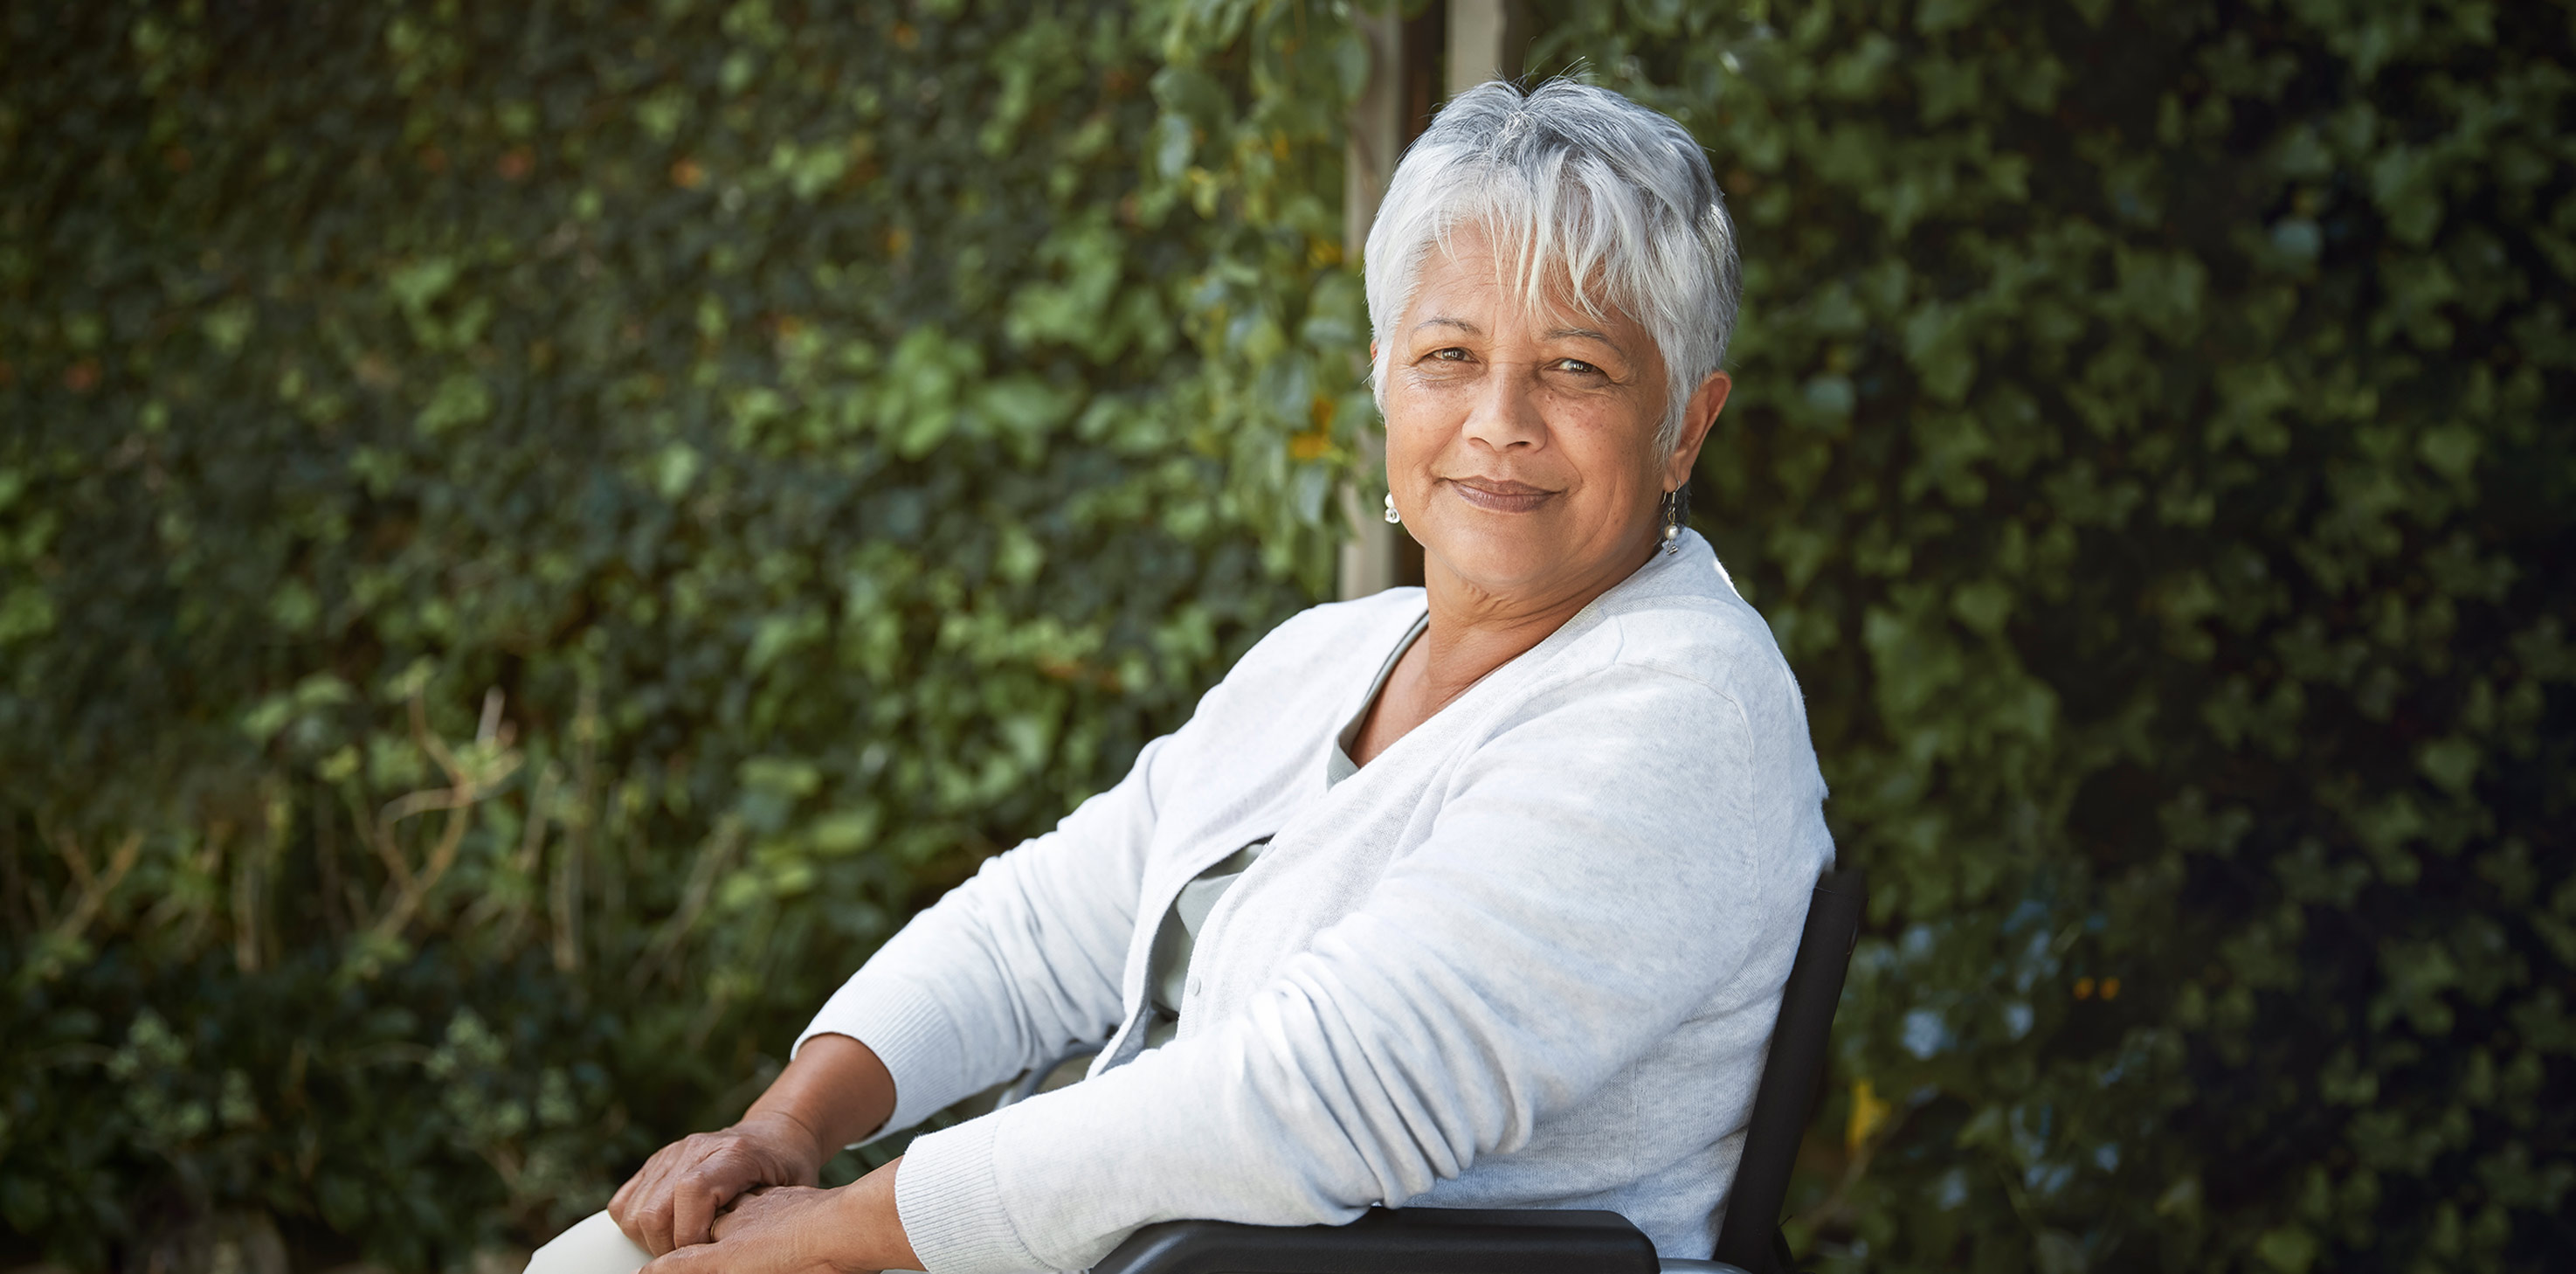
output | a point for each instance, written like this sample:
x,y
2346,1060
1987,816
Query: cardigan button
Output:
x,y
1194,986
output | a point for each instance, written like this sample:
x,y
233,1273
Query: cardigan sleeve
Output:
x,y
1012,966
1598,866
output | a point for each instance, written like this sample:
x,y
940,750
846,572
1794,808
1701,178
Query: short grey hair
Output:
x,y
1575,178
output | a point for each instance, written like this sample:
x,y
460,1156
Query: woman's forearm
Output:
x,y
838,1091
835,1090
871,1231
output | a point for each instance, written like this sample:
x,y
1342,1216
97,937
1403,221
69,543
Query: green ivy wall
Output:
x,y
2153,454
531,537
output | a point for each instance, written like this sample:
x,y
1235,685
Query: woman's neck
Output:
x,y
1462,647
1473,631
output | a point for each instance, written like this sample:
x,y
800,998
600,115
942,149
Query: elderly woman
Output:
x,y
1481,894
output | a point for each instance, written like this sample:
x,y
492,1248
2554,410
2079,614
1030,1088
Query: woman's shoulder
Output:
x,y
1335,629
1684,617
1308,649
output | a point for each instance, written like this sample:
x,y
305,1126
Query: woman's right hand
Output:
x,y
676,1196
834,1092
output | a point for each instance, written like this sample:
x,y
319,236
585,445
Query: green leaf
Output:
x,y
2289,1249
461,399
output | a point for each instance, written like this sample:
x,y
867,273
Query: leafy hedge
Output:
x,y
531,538
2152,450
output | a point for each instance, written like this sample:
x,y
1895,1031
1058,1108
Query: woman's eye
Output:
x,y
1577,366
1452,354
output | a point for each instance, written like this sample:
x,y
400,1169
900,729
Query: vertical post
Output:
x,y
1372,559
1376,134
1413,66
1485,42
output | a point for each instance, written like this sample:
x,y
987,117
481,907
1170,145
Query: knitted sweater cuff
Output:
x,y
951,1206
909,1032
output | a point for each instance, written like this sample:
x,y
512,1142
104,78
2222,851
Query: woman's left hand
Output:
x,y
800,1230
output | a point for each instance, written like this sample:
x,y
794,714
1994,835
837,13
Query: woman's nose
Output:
x,y
1505,412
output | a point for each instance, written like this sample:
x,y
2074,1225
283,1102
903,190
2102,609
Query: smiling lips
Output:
x,y
1500,495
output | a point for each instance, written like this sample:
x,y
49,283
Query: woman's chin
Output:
x,y
1505,564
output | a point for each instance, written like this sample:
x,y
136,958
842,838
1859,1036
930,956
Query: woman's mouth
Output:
x,y
1500,495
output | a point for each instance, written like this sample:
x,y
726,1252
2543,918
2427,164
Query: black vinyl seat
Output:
x,y
1559,1241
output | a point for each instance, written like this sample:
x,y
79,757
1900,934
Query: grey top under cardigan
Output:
x,y
1528,956
1167,970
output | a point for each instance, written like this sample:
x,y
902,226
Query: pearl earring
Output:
x,y
1392,517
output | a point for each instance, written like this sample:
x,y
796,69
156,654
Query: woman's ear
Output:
x,y
1697,418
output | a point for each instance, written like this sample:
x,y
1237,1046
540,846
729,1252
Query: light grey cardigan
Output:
x,y
1528,956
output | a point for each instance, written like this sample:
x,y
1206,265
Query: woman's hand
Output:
x,y
833,1093
852,1230
675,1200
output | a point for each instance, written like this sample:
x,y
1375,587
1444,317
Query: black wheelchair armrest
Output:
x,y
1395,1241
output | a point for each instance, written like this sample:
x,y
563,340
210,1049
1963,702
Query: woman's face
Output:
x,y
1520,445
